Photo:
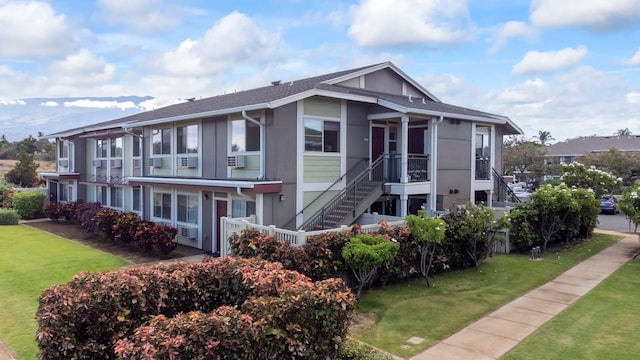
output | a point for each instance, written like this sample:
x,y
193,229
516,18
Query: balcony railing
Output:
x,y
417,167
483,168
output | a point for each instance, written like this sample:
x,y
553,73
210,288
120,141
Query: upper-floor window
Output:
x,y
187,139
321,135
245,136
101,148
136,146
64,149
116,147
483,152
161,139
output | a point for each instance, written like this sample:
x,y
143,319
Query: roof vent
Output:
x,y
275,83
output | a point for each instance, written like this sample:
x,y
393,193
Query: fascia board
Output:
x,y
200,182
317,92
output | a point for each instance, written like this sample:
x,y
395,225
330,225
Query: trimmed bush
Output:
x,y
7,197
9,217
29,204
354,350
227,309
53,210
85,214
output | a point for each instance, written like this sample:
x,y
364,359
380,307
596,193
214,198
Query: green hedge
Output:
x,y
29,204
9,217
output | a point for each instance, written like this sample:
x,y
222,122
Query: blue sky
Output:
x,y
571,67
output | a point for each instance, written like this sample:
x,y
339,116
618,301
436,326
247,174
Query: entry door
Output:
x,y
221,210
377,142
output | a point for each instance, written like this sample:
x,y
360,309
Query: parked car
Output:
x,y
608,205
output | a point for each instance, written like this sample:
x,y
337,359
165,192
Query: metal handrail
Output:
x,y
352,187
286,225
505,186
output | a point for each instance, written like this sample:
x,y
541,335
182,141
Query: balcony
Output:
x,y
417,168
483,168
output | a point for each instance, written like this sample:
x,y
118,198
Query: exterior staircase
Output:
x,y
352,201
504,194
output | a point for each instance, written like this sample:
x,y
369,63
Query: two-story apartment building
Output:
x,y
302,154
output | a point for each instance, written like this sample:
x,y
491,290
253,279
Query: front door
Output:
x,y
221,210
377,142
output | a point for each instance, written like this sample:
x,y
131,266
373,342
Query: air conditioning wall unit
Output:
x,y
156,162
188,232
116,163
137,163
189,161
236,161
63,162
97,163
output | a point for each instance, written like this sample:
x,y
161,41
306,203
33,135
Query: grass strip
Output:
x,y
31,260
403,311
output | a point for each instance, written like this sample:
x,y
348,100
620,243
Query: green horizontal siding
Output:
x,y
322,107
309,197
251,169
321,169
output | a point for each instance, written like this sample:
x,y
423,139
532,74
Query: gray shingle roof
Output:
x,y
267,94
588,144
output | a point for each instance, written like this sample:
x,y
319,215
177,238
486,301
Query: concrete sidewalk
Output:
x,y
496,333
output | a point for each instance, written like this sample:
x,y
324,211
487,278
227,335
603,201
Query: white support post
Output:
x,y
404,171
302,238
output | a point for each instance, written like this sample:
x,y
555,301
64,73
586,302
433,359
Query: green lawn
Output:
x,y
458,298
30,261
604,324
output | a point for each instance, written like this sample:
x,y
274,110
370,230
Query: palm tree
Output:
x,y
544,137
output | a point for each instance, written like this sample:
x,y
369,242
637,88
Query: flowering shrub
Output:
x,y
553,214
224,309
629,205
577,175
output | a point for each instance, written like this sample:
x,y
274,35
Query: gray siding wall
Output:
x,y
80,146
281,155
385,81
454,161
207,224
499,130
214,147
357,135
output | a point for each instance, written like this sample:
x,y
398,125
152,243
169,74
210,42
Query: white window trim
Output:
x,y
323,119
230,120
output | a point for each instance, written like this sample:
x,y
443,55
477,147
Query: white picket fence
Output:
x,y
294,238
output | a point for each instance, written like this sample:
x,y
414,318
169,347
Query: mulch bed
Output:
x,y
74,232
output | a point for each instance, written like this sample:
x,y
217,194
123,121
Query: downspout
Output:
x,y
262,143
434,166
127,131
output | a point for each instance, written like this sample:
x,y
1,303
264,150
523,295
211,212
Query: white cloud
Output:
x,y
142,15
81,69
532,91
635,59
232,41
49,104
591,14
511,30
542,62
633,98
29,29
379,23
12,102
96,104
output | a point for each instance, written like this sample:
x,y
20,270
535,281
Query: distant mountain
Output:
x,y
24,117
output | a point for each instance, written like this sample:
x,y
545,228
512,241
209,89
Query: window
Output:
x,y
64,149
101,195
243,208
483,153
161,139
162,205
136,146
101,148
321,135
188,208
65,192
136,197
116,197
187,139
245,136
116,147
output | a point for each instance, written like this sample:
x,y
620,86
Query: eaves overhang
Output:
x,y
245,186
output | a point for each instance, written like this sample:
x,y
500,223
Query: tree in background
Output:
x,y
24,171
629,205
524,158
544,137
624,131
577,175
625,165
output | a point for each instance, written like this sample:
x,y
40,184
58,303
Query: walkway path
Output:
x,y
495,334
498,332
